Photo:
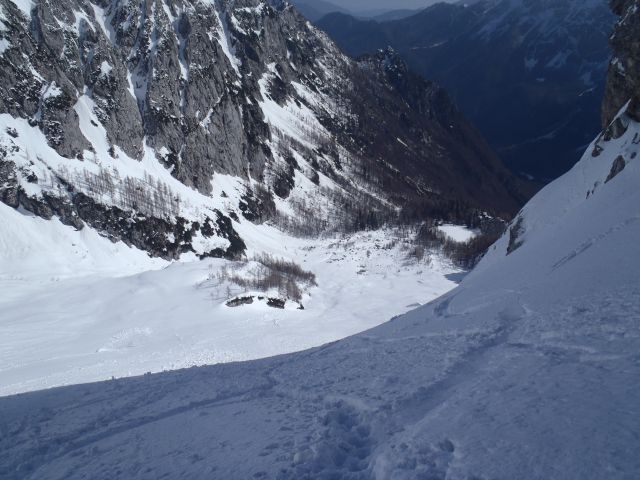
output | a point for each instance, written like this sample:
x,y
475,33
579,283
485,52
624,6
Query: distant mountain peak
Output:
x,y
528,73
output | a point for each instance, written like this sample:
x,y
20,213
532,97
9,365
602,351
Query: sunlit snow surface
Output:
x,y
528,370
78,308
457,233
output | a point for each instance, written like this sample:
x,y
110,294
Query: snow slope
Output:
x,y
527,370
46,250
77,308
457,233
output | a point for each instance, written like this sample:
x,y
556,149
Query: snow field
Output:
x,y
87,310
457,233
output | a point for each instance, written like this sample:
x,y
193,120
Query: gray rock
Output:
x,y
623,80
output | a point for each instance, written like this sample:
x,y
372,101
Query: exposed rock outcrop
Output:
x,y
623,81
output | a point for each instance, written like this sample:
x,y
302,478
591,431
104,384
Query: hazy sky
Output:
x,y
390,4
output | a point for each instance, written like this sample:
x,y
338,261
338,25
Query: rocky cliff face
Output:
x,y
167,123
623,81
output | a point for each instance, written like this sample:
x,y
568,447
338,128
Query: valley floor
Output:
x,y
69,316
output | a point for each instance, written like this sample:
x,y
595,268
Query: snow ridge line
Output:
x,y
584,246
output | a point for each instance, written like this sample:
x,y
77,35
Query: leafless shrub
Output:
x,y
288,278
418,252
287,268
467,255
149,195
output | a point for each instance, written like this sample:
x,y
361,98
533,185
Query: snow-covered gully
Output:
x,y
527,370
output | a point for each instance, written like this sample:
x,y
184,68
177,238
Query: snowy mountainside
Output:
x,y
35,250
604,176
167,123
527,370
77,308
134,135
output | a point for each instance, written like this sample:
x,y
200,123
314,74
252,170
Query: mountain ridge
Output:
x,y
530,75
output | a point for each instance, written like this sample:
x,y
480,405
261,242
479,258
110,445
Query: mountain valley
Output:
x,y
229,250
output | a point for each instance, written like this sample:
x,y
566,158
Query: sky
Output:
x,y
386,4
